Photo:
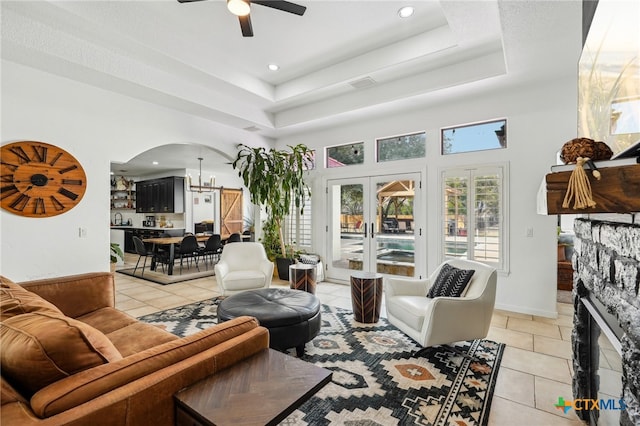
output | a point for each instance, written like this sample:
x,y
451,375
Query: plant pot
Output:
x,y
283,264
561,254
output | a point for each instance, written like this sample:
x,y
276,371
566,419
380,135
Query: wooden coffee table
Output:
x,y
261,390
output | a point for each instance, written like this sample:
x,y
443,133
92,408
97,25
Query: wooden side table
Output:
x,y
303,277
260,390
565,275
366,296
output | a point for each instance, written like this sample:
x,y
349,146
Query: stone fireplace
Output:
x,y
606,324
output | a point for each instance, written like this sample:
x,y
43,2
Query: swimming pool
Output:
x,y
404,256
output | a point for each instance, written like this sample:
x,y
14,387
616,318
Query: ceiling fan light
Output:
x,y
238,7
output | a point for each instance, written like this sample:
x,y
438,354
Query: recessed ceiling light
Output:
x,y
155,163
406,11
274,67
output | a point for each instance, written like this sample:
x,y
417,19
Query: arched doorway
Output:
x,y
198,205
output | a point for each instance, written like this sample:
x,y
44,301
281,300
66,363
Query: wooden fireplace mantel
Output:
x,y
618,191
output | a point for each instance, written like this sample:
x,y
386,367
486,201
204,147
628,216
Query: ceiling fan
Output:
x,y
241,9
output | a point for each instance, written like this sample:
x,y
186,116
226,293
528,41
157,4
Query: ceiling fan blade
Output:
x,y
285,6
188,1
245,26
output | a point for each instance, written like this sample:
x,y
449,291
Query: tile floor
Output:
x,y
535,370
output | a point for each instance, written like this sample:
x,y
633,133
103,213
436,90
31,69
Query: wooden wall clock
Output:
x,y
39,179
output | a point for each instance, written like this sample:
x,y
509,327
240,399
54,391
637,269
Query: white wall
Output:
x,y
96,127
540,119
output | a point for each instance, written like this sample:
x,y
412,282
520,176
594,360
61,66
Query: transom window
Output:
x,y
345,155
474,137
401,147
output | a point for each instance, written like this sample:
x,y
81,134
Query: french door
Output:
x,y
373,225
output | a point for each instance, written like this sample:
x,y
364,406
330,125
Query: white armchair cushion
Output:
x,y
244,280
411,310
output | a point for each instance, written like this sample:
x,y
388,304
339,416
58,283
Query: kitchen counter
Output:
x,y
123,234
148,228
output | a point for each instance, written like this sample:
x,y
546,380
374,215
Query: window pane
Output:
x,y
297,227
487,218
345,155
474,137
473,216
455,214
401,147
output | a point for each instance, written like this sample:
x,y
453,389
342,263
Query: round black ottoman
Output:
x,y
292,316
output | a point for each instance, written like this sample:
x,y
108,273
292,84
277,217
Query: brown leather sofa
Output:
x,y
70,358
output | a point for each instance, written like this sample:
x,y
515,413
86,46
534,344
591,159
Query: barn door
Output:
x,y
230,212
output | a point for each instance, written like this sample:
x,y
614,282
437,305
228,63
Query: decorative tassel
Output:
x,y
579,187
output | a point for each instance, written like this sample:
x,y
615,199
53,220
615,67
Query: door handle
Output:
x,y
365,230
372,233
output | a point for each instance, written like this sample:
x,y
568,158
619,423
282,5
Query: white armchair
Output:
x,y
243,266
443,320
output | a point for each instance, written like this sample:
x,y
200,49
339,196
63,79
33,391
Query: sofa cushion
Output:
x,y
15,300
450,282
39,349
126,333
138,337
107,320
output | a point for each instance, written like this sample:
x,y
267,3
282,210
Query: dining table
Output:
x,y
171,242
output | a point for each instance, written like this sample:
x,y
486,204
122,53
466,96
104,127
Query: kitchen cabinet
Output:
x,y
129,247
163,195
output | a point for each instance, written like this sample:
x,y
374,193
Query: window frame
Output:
x,y
477,123
403,135
470,171
327,157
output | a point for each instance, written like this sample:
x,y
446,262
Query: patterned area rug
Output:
x,y
376,380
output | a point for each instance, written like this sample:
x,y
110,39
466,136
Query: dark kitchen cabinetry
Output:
x,y
129,247
163,195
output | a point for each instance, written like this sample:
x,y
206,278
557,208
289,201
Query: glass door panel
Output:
x,y
346,226
372,225
395,220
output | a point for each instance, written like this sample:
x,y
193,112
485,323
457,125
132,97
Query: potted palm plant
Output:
x,y
275,180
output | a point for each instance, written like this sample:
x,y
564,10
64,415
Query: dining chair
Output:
x,y
212,248
189,249
234,238
143,252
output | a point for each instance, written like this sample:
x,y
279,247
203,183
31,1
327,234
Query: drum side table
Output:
x,y
366,296
303,277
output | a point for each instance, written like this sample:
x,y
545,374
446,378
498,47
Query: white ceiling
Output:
x,y
191,56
